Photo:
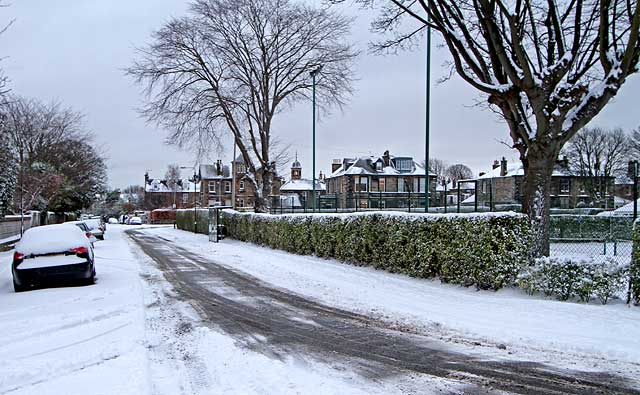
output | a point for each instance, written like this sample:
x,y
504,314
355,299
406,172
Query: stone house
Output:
x,y
503,185
159,194
217,184
379,182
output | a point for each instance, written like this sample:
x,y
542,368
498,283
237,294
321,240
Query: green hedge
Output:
x,y
185,220
635,264
590,227
569,278
484,250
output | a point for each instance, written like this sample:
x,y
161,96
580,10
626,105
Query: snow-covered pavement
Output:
x,y
132,333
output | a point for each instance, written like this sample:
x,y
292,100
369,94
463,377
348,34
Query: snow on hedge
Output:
x,y
486,250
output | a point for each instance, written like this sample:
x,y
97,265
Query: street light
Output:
x,y
427,125
314,73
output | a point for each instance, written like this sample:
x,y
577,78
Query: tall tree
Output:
x,y
437,167
597,153
172,177
232,65
547,66
8,171
458,172
634,142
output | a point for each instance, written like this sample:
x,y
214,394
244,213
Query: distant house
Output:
x,y
217,184
379,182
159,194
503,185
447,192
298,191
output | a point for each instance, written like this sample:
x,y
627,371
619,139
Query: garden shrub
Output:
x,y
482,250
568,278
185,220
590,227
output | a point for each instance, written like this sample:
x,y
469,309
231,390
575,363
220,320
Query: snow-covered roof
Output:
x,y
302,185
367,165
451,186
470,200
625,210
516,169
184,185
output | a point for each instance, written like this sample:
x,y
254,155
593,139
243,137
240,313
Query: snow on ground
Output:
x,y
129,334
582,336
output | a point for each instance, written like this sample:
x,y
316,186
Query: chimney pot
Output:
x,y
503,167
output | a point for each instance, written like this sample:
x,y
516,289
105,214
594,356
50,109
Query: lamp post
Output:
x,y
427,123
314,73
195,200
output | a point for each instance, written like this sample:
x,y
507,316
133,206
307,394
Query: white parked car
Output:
x,y
50,253
113,221
96,227
135,221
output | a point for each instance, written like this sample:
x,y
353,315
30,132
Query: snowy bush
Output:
x,y
590,227
569,278
484,250
185,220
635,264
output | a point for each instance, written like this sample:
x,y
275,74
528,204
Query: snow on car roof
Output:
x,y
52,238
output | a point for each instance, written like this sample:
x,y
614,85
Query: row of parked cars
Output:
x,y
57,253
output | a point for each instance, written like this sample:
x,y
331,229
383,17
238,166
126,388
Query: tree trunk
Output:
x,y
536,200
263,190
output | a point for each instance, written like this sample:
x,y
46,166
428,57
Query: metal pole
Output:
x,y
635,191
445,196
233,176
313,75
427,123
475,204
459,197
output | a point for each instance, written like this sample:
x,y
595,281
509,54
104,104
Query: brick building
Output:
x,y
217,185
503,185
159,194
379,182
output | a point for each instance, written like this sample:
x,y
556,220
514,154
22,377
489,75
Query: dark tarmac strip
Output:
x,y
252,311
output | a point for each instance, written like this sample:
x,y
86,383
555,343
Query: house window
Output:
x,y
241,168
401,183
374,185
565,186
212,187
422,185
363,184
185,198
484,186
416,185
404,164
382,185
379,166
227,186
241,202
242,190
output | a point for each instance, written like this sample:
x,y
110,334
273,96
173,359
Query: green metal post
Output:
x,y
313,75
426,146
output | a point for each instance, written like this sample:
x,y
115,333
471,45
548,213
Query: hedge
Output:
x,y
590,227
185,220
570,278
635,264
483,250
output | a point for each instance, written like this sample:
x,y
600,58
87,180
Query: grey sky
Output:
x,y
74,51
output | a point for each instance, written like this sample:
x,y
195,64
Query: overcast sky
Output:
x,y
75,51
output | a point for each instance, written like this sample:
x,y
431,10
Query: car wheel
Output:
x,y
17,287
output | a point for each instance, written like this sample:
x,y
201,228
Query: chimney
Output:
x,y
321,176
219,167
482,173
386,159
503,167
631,168
335,165
146,178
495,165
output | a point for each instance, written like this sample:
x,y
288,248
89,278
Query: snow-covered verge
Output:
x,y
129,334
581,336
76,339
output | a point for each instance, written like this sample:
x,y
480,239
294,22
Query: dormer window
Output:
x,y
378,166
404,164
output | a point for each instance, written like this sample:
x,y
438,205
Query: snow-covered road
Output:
x,y
133,332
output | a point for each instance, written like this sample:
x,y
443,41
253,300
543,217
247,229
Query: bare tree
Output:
x,y
459,172
546,66
634,143
597,153
437,167
232,65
